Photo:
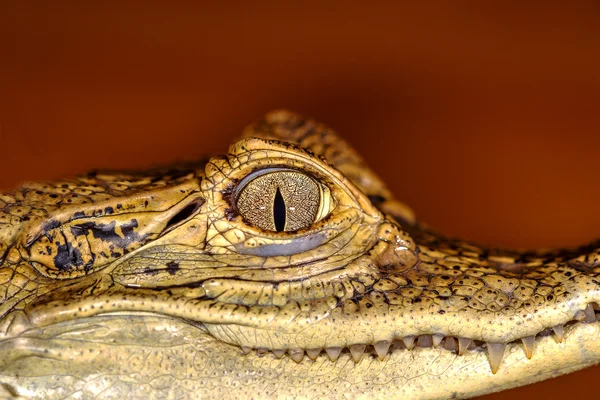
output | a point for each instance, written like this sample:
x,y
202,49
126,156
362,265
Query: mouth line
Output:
x,y
459,345
364,346
386,352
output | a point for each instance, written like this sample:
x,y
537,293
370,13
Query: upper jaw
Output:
x,y
194,282
390,291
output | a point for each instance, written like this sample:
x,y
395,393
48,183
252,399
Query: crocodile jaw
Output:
x,y
170,357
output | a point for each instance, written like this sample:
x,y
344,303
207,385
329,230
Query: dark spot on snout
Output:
x,y
172,267
49,225
107,232
150,271
67,257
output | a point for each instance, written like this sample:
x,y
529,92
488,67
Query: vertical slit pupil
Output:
x,y
279,211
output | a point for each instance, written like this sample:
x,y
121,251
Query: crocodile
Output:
x,y
282,269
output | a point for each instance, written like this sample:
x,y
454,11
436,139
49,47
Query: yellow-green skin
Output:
x,y
151,285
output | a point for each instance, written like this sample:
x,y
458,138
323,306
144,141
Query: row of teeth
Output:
x,y
459,345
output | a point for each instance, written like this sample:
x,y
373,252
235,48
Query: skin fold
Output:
x,y
182,282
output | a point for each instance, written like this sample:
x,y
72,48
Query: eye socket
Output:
x,y
282,200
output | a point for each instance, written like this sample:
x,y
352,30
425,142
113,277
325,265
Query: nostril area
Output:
x,y
185,213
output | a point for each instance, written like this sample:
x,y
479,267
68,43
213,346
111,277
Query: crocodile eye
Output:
x,y
282,200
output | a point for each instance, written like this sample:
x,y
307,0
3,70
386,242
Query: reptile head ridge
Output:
x,y
288,251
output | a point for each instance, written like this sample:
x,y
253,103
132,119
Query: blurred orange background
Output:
x,y
484,118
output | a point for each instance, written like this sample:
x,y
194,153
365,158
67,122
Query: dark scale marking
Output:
x,y
150,271
229,194
582,267
231,213
67,257
172,267
107,233
127,229
49,225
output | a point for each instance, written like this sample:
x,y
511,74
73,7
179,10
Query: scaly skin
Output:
x,y
154,286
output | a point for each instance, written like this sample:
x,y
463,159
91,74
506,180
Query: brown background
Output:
x,y
483,118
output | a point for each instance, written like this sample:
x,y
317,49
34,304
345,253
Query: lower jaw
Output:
x,y
427,372
158,354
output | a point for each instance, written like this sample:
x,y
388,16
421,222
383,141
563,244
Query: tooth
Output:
x,y
313,353
278,353
590,316
496,352
409,342
333,352
261,352
450,344
357,351
381,348
425,341
246,350
528,345
437,339
296,354
559,332
463,343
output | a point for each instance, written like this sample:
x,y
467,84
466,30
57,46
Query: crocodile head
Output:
x,y
282,269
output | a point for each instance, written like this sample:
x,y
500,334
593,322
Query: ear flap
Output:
x,y
290,127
